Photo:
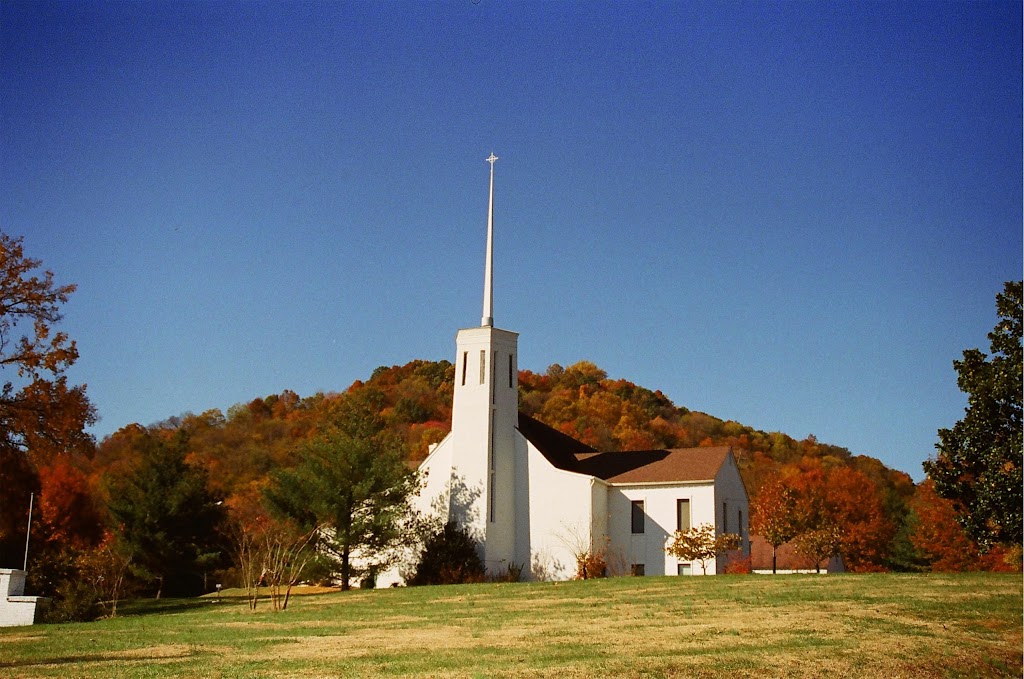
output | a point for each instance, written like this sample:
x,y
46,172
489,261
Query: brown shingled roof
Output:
x,y
646,466
654,466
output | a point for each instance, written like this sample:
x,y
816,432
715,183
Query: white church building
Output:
x,y
535,498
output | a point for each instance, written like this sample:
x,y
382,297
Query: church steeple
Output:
x,y
487,320
485,414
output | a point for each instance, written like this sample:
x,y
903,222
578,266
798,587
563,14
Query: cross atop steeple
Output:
x,y
487,320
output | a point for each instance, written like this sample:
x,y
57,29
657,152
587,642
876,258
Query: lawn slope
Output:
x,y
849,625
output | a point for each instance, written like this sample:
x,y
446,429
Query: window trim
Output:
x,y
680,503
636,518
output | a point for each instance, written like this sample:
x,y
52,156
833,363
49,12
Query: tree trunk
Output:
x,y
345,569
774,548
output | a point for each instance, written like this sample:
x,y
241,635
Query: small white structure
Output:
x,y
15,608
535,498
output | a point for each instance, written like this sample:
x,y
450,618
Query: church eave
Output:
x,y
654,484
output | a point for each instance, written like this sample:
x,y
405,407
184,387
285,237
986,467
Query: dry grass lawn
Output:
x,y
737,626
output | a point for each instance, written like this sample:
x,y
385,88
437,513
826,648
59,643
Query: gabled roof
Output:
x,y
656,466
559,449
643,466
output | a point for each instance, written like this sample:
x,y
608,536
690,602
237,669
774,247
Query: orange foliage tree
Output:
x,y
67,513
856,505
945,544
938,536
41,415
827,510
773,515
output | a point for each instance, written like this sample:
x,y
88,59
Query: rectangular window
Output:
x,y
511,383
725,517
494,379
638,516
483,366
683,515
637,569
739,520
465,360
683,569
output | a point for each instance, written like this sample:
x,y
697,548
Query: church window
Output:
x,y
465,360
637,569
638,516
483,366
511,384
739,521
683,569
683,515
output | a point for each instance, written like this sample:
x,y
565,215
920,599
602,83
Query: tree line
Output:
x,y
197,499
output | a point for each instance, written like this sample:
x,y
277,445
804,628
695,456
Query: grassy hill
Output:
x,y
848,625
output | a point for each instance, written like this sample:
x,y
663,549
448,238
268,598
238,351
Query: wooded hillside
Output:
x,y
238,449
199,473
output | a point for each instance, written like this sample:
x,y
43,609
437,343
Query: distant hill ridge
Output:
x,y
240,448
580,400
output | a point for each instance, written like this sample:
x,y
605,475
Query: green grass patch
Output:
x,y
755,626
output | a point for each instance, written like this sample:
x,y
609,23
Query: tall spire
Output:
x,y
488,318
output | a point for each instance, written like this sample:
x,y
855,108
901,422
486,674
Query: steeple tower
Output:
x,y
487,320
485,414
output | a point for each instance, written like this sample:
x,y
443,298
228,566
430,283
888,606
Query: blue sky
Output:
x,y
793,215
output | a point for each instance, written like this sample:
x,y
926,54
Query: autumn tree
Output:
x,y
67,526
773,515
351,480
165,517
701,544
67,512
106,568
825,510
978,461
41,416
39,412
268,550
938,535
865,530
820,543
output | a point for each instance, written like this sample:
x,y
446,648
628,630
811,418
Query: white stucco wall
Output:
x,y
561,516
732,507
432,500
435,472
708,501
648,548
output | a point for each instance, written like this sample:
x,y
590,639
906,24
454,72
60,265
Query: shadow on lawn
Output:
x,y
158,606
77,659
